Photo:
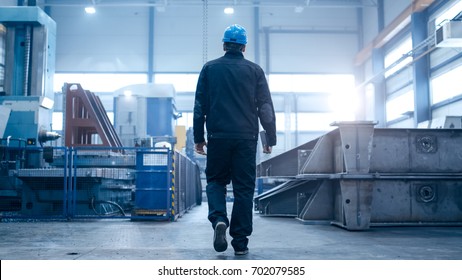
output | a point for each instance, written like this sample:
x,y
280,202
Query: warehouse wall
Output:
x,y
399,87
370,24
145,43
393,8
115,39
178,36
318,40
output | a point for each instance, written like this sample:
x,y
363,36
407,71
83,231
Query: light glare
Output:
x,y
229,10
90,10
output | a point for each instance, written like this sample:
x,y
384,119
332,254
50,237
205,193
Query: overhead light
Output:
x,y
90,10
128,93
229,10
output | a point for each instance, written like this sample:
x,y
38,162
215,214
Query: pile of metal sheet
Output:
x,y
358,176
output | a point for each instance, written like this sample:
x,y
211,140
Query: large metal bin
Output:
x,y
153,193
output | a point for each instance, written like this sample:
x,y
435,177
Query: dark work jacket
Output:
x,y
232,95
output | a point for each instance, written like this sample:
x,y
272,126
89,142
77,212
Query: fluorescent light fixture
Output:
x,y
90,10
229,10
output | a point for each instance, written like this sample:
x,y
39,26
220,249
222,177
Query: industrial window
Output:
x,y
186,120
181,82
317,121
443,86
57,121
98,82
277,82
398,52
329,83
340,93
398,105
449,13
280,121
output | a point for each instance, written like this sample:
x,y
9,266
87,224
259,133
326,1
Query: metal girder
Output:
x,y
357,177
288,199
288,163
85,116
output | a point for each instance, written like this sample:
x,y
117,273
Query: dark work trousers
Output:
x,y
232,160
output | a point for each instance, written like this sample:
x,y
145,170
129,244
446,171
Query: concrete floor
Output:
x,y
190,238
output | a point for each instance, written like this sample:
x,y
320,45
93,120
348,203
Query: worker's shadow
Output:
x,y
228,256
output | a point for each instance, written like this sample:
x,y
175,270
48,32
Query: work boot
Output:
x,y
241,253
219,238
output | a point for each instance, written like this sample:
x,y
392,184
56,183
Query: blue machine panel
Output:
x,y
160,119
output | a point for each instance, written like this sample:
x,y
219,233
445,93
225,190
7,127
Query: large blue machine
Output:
x,y
145,114
27,56
29,40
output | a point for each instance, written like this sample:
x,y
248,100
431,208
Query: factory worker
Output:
x,y
232,98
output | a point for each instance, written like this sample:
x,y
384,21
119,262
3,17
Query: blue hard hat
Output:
x,y
235,34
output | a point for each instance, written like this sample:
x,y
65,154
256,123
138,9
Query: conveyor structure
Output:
x,y
358,176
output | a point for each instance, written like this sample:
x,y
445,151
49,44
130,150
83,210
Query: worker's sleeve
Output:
x,y
200,108
265,108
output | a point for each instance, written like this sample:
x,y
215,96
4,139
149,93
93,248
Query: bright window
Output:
x,y
310,83
396,54
397,106
342,98
99,82
280,121
186,120
181,82
316,121
57,119
449,14
443,86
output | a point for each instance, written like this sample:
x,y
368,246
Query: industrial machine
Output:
x,y
358,176
94,174
145,114
27,42
29,38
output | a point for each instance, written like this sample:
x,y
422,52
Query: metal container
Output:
x,y
153,193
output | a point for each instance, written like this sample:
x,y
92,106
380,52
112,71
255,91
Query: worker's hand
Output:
x,y
267,149
199,147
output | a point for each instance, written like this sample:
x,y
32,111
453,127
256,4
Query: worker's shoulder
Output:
x,y
246,62
233,61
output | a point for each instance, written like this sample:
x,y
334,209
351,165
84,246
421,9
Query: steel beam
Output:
x,y
358,176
